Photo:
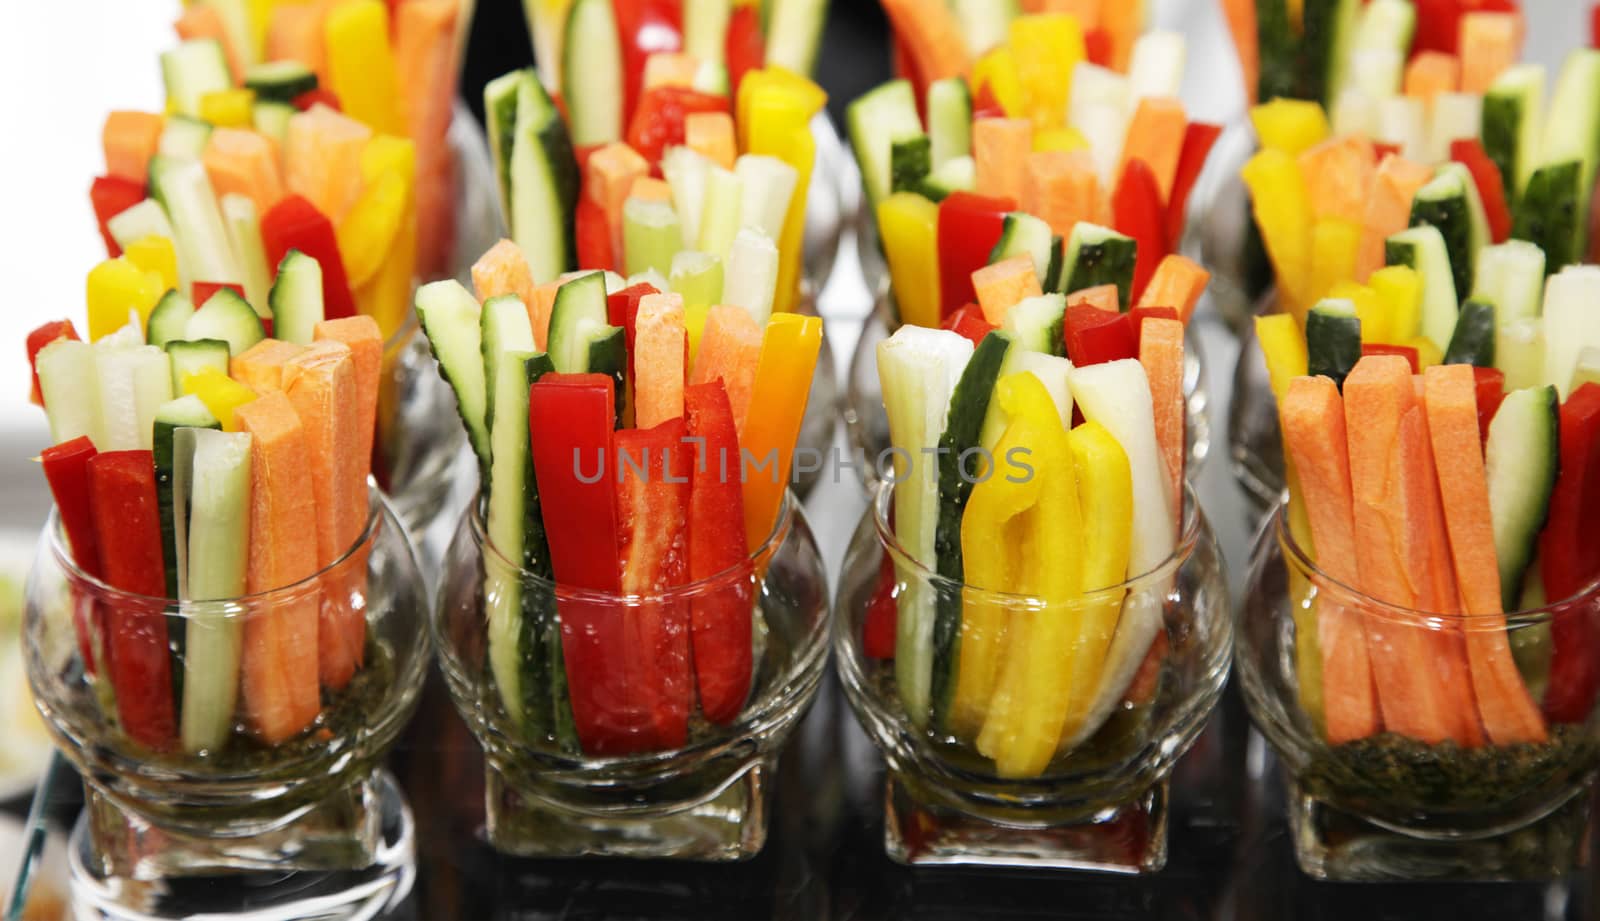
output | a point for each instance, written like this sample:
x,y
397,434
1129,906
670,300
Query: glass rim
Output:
x,y
738,572
1296,555
377,509
1187,540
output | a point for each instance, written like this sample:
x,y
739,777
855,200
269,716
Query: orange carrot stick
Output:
x,y
1339,174
1061,188
1104,297
1000,147
241,162
361,334
1241,15
322,159
260,367
932,35
711,135
660,342
1003,284
1178,283
1389,209
503,270
730,349
1430,73
1155,135
129,140
1489,44
1161,355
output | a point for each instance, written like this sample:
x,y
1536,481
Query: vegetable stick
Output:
x,y
424,50
1490,44
1314,435
1161,354
1389,209
1339,174
730,350
130,139
1178,283
1282,206
243,162
608,179
260,367
361,63
1100,297
279,686
1002,284
659,349
1063,189
365,341
789,351
201,21
1508,711
932,36
710,134
294,33
504,270
1155,135
322,159
1000,148
1430,73
1241,16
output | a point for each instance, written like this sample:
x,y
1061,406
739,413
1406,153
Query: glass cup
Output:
x,y
1101,802
1387,806
1255,442
867,422
205,762
618,739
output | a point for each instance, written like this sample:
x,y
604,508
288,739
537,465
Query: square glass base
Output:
x,y
730,824
1131,838
1333,844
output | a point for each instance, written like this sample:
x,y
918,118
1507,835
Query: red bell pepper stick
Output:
x,y
1097,45
66,469
1491,392
1198,139
969,227
574,415
1138,212
110,196
295,223
985,105
320,95
877,634
658,121
1404,351
622,309
1569,558
721,612
593,235
1381,149
1094,336
204,289
1594,26
745,47
644,27
1491,186
37,340
122,491
969,322
1438,26
653,522
1138,315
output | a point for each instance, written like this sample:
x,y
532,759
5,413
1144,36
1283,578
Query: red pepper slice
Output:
x,y
969,322
1383,149
653,521
110,196
1491,392
622,309
1570,560
1198,139
204,289
1438,26
1138,315
1404,351
1094,336
37,340
127,524
1138,212
985,105
574,415
319,95
883,615
1486,176
295,223
66,469
745,48
658,121
644,27
1594,26
1097,45
593,235
969,227
721,612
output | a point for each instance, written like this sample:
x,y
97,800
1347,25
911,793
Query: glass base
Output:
x,y
351,857
1335,845
730,824
1129,839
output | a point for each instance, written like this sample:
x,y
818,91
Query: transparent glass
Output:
x,y
1255,443
1101,803
867,422
1389,805
587,765
201,791
1222,235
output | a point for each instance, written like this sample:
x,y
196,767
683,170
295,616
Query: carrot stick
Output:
x,y
1161,354
730,349
1241,15
660,344
710,134
1103,297
279,683
607,181
129,140
322,159
1178,283
243,162
201,20
503,270
1489,44
1389,209
260,367
1155,135
1002,284
1061,188
1508,710
1339,174
1314,434
1431,73
361,334
1000,147
932,36
294,33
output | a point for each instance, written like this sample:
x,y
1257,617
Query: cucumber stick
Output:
x,y
958,470
750,278
1022,233
1099,256
1333,339
184,412
169,319
193,69
949,120
217,534
1520,459
244,236
1117,395
183,189
229,317
1572,128
985,23
591,82
1423,249
296,298
145,219
1511,125
1035,323
1571,323
1510,276
507,342
1446,202
794,32
1474,338
578,315
67,380
543,184
450,318
876,122
1548,216
920,369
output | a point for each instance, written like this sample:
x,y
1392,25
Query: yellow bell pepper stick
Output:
x,y
1283,213
777,109
155,254
1428,352
909,225
1105,495
117,287
360,62
386,296
777,405
1400,289
998,70
1030,704
228,108
1334,244
1290,126
367,232
1046,48
1059,140
221,394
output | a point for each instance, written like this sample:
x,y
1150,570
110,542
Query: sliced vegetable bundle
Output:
x,y
1440,493
1022,501
631,477
196,460
1022,158
320,128
722,227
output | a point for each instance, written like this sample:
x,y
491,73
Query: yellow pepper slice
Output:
x,y
361,66
228,108
1289,126
777,109
1046,47
1062,140
221,394
998,70
1371,309
155,254
1283,213
909,225
1428,352
1031,697
783,380
1400,289
115,288
383,290
694,324
1334,244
